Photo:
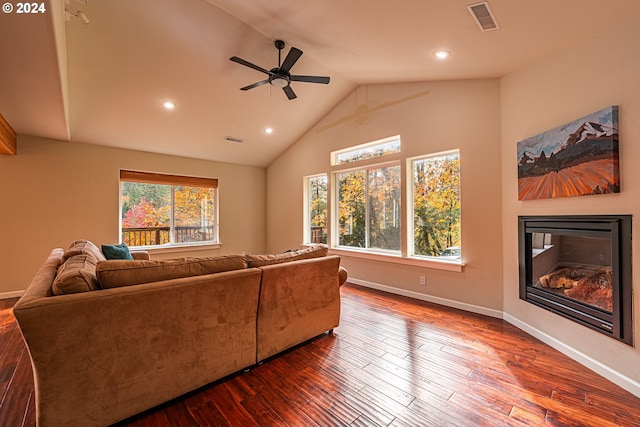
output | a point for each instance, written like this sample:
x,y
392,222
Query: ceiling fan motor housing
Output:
x,y
279,79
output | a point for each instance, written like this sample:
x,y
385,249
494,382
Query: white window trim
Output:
x,y
415,261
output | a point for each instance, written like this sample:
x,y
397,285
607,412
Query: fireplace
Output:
x,y
579,267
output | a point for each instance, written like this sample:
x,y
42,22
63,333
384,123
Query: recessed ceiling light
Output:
x,y
268,130
168,105
442,54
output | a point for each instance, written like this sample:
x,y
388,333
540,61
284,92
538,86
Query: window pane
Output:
x,y
317,196
436,206
146,212
351,208
384,208
368,151
194,214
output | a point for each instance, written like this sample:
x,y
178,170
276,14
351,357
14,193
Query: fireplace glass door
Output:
x,y
579,267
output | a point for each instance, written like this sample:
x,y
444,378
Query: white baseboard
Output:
x,y
436,300
615,377
14,294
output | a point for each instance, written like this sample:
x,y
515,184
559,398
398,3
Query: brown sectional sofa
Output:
x,y
159,329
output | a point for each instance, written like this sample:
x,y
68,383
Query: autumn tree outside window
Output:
x,y
160,209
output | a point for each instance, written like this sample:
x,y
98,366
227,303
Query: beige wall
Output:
x,y
433,117
548,94
54,192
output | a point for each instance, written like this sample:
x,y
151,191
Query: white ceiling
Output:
x,y
103,83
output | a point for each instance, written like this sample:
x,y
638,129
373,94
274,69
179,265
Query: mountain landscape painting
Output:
x,y
577,159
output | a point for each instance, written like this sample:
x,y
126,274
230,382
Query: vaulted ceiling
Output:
x,y
104,82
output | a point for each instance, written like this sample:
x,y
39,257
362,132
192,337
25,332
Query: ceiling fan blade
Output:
x,y
255,85
249,64
292,57
289,92
310,79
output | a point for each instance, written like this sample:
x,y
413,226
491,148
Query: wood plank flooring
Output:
x,y
392,362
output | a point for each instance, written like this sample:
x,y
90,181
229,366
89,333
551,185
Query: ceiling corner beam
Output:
x,y
7,137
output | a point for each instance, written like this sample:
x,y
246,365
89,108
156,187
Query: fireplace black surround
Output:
x,y
579,267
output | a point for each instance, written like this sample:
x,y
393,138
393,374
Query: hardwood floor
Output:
x,y
392,362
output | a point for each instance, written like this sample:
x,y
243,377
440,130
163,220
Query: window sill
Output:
x,y
165,249
436,264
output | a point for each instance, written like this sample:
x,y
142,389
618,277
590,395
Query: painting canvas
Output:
x,y
577,159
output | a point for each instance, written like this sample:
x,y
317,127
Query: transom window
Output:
x,y
158,209
383,147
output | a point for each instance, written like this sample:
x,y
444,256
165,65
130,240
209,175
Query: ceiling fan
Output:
x,y
280,76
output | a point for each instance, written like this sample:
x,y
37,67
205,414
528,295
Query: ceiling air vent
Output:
x,y
483,16
234,139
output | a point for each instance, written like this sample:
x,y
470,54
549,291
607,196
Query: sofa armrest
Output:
x,y
343,275
140,255
298,301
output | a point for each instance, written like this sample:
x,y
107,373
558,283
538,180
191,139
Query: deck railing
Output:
x,y
151,236
318,234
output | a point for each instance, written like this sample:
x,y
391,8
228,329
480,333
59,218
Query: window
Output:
x,y
316,218
387,207
368,197
436,205
383,147
369,208
159,209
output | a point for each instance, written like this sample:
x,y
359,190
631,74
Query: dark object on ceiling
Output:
x,y
280,76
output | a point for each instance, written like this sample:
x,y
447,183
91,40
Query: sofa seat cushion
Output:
x,y
76,274
117,273
315,251
83,247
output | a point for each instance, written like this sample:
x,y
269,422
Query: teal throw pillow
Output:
x,y
120,251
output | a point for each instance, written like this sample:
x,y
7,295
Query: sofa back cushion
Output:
x,y
76,274
116,273
83,247
315,251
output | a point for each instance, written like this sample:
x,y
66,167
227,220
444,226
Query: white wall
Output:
x,y
430,117
562,88
55,192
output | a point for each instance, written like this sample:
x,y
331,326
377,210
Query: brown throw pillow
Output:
x,y
83,247
77,274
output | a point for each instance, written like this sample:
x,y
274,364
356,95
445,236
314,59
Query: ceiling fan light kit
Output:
x,y
280,76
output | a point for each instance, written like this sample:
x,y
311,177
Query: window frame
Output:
x,y
173,181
